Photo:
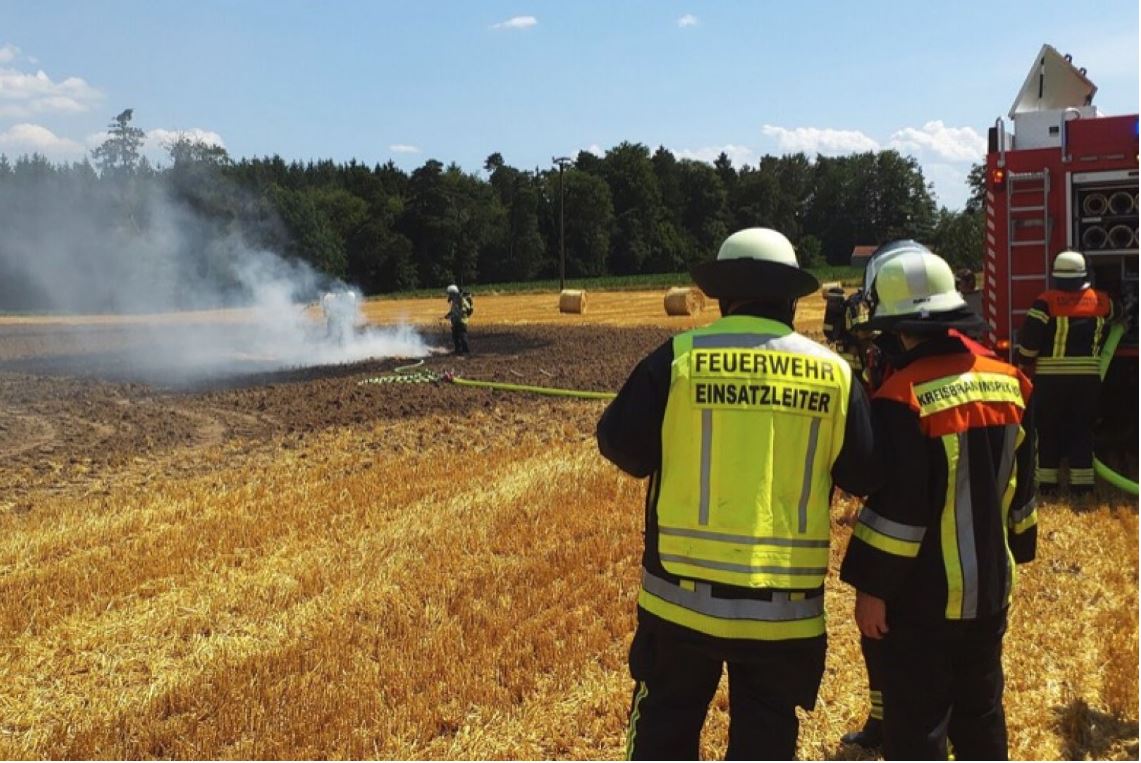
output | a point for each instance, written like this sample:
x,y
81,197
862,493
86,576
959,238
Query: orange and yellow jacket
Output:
x,y
1064,331
940,539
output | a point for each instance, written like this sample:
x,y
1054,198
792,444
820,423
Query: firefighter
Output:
x,y
879,349
340,309
1059,346
842,316
931,556
459,310
742,427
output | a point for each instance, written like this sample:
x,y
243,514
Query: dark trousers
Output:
x,y
459,338
675,680
944,681
873,662
1064,411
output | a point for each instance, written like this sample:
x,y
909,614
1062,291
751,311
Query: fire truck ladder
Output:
x,y
1032,192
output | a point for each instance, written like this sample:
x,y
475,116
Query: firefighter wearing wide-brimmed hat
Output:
x,y
933,552
1059,346
743,427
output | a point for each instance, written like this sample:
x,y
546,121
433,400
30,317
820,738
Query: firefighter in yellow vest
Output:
x,y
743,427
1059,346
933,553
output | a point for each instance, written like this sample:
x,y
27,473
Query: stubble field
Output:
x,y
298,565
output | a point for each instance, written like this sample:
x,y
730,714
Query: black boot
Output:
x,y
870,737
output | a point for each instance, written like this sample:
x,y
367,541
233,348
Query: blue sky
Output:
x,y
532,79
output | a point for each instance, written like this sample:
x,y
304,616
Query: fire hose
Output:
x,y
1116,479
557,391
408,375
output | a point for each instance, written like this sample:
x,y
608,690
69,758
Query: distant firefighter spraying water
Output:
x,y
460,308
340,310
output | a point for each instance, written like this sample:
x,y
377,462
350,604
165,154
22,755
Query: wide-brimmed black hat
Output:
x,y
754,263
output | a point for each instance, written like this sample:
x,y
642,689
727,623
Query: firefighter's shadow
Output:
x,y
1089,734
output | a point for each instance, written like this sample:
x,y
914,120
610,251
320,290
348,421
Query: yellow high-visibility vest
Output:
x,y
754,421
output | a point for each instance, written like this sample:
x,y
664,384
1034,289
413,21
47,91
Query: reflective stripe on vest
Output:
x,y
1080,366
695,607
754,420
960,559
888,535
1008,483
1061,332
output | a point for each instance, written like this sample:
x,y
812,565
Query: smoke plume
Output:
x,y
76,244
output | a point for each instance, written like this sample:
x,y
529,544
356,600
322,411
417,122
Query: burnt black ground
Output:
x,y
68,396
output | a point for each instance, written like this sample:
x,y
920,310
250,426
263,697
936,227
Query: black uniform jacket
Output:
x,y
1063,327
931,534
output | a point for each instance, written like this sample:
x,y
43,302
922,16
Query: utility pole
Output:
x,y
562,161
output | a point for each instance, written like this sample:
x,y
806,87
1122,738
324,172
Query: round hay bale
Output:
x,y
572,301
684,300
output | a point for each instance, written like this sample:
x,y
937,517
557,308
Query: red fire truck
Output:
x,y
1064,177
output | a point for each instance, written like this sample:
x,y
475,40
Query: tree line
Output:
x,y
631,211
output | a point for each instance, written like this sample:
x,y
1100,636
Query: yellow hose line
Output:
x,y
1119,481
557,391
409,367
1116,479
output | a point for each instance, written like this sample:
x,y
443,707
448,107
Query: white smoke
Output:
x,y
226,306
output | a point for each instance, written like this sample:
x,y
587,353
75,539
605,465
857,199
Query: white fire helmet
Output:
x,y
1069,264
914,284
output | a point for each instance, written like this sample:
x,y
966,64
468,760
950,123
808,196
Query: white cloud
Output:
x,y
27,138
740,155
950,181
595,149
158,140
403,148
517,22
956,144
945,153
820,140
8,53
23,95
687,20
